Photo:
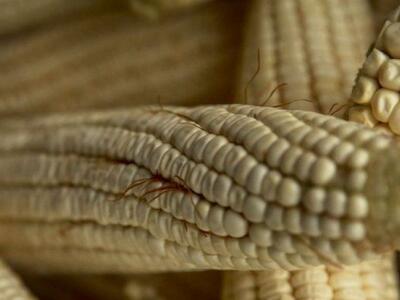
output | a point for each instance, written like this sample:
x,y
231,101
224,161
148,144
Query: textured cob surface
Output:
x,y
353,282
308,61
220,187
113,59
369,280
376,92
310,49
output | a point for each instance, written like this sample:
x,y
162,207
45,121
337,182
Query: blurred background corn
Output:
x,y
113,59
312,49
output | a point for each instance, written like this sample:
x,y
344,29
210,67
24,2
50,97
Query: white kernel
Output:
x,y
274,217
359,159
322,171
354,231
326,145
345,251
363,115
330,228
289,159
292,220
394,120
270,185
389,75
304,164
260,234
383,104
336,203
248,247
310,224
364,90
283,242
255,179
391,40
254,209
357,206
202,210
374,62
215,220
314,200
276,152
234,248
342,152
288,193
235,225
356,180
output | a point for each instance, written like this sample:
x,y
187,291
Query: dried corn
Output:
x,y
314,47
112,59
11,287
368,280
376,93
262,189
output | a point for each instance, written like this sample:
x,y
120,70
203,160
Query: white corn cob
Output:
x,y
314,47
11,287
367,280
376,94
112,59
263,189
154,8
278,49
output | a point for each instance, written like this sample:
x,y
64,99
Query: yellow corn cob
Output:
x,y
111,59
314,47
11,287
262,189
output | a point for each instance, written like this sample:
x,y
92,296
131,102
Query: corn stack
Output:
x,y
11,287
322,282
308,50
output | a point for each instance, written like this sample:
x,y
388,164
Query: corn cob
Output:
x,y
365,281
292,191
376,92
153,9
108,59
11,287
314,47
319,282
